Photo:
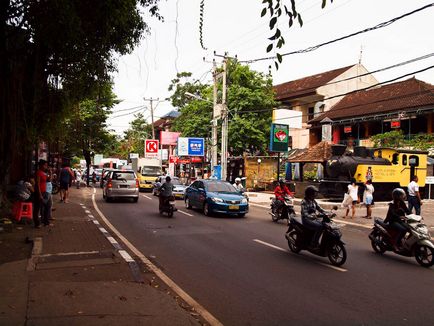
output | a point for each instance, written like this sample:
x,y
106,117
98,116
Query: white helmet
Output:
x,y
237,179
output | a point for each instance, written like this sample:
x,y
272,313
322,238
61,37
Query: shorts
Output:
x,y
64,185
369,200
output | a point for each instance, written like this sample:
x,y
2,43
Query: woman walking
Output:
x,y
353,192
368,197
66,176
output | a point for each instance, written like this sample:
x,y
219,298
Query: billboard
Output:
x,y
151,148
169,138
279,138
191,146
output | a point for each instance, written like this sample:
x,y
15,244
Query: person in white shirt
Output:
x,y
353,191
368,197
414,199
238,184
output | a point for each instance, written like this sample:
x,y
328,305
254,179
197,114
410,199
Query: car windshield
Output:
x,y
123,176
151,170
176,182
220,187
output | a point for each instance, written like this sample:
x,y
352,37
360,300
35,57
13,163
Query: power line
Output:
x,y
128,109
125,114
313,48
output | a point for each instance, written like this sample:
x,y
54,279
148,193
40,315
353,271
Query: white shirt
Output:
x,y
369,190
413,187
239,187
353,191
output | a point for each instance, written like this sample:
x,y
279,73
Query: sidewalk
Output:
x,y
73,275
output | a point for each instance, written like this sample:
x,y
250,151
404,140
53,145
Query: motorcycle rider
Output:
x,y
397,210
238,184
166,191
309,210
280,192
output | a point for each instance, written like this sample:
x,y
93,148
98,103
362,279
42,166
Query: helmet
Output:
x,y
310,191
398,194
281,181
168,179
237,179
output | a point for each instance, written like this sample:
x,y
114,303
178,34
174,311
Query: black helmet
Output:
x,y
281,181
168,179
398,194
310,191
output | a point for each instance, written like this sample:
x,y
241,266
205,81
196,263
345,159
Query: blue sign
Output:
x,y
196,147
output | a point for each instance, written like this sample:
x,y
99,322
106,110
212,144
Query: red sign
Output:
x,y
174,159
184,161
347,129
169,138
196,159
151,147
395,124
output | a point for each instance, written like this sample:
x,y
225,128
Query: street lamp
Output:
x,y
259,165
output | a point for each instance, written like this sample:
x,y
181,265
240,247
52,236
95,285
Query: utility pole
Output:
x,y
151,100
224,147
214,147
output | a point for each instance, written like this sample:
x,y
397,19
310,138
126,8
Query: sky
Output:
x,y
235,27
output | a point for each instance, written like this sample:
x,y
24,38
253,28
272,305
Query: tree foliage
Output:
x,y
134,137
250,101
397,139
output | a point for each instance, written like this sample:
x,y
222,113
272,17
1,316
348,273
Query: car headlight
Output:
x,y
217,200
244,201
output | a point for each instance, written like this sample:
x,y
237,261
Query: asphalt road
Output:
x,y
229,265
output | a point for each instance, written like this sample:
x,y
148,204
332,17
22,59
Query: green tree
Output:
x,y
394,138
135,135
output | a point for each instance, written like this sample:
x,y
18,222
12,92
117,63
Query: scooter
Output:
x,y
285,211
330,244
168,206
417,243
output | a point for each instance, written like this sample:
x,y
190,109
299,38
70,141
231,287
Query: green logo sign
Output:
x,y
279,138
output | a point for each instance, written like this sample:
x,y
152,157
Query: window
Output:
x,y
414,160
123,176
395,158
311,113
404,159
194,185
220,187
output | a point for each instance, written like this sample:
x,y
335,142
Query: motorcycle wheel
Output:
x,y
424,256
170,212
55,190
292,242
337,254
378,244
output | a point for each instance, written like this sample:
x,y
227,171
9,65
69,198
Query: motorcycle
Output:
x,y
299,238
416,243
285,211
168,206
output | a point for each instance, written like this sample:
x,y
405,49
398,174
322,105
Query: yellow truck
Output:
x,y
148,170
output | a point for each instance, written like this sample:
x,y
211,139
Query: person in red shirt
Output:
x,y
280,192
40,190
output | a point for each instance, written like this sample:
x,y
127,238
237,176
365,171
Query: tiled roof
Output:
x,y
319,153
400,96
307,85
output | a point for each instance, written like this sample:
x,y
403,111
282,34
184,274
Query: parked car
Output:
x,y
178,187
121,184
104,176
216,196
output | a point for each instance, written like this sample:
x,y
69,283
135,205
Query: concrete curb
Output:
x,y
36,252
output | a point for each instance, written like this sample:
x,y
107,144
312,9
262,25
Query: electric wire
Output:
x,y
369,29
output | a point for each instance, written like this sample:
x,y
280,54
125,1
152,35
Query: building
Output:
x,y
308,97
407,105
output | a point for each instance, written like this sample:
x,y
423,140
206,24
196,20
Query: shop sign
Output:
x,y
395,124
151,148
169,138
279,138
196,159
191,146
347,129
174,159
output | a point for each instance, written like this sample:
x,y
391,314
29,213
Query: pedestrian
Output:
x,y
66,175
368,197
40,189
78,179
47,203
414,199
353,192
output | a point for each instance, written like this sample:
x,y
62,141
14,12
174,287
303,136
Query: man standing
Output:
x,y
414,199
40,190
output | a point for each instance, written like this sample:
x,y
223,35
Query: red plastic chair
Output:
x,y
23,210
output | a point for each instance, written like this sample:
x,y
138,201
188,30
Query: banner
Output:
x,y
191,146
279,139
169,138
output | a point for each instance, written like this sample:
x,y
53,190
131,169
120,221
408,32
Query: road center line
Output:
x,y
171,284
339,269
185,213
147,197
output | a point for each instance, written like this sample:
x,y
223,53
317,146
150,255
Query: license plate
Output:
x,y
123,186
234,207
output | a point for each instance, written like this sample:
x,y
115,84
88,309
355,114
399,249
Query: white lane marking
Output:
x,y
126,256
84,207
87,211
284,250
366,226
91,216
70,253
171,284
95,222
185,213
112,240
147,197
257,205
94,190
81,204
103,230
